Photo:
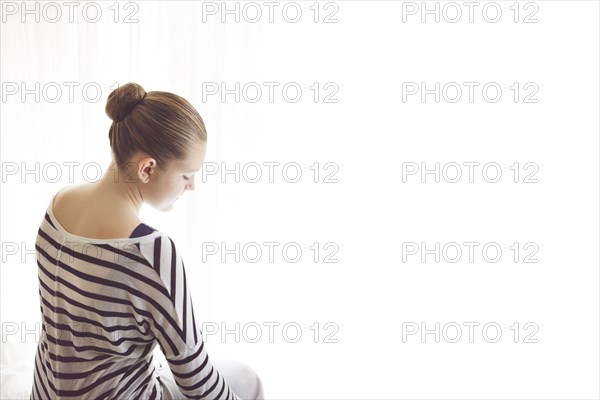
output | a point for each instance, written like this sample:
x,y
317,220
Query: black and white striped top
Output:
x,y
105,304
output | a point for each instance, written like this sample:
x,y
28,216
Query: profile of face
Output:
x,y
162,188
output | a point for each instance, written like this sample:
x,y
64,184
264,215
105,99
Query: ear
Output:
x,y
146,169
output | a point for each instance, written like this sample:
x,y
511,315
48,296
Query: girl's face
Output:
x,y
164,188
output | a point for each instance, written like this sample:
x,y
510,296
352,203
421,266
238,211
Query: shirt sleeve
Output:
x,y
170,316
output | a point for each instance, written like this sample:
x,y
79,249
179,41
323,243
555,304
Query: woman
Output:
x,y
111,287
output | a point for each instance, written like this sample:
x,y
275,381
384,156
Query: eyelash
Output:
x,y
186,178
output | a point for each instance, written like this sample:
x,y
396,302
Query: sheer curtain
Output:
x,y
56,78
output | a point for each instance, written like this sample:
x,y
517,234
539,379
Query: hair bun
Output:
x,y
122,100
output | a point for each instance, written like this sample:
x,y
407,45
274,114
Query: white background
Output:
x,y
370,212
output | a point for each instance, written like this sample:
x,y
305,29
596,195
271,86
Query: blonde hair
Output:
x,y
162,124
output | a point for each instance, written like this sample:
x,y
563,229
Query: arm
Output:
x,y
173,324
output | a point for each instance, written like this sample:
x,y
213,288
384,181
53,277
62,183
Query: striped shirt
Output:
x,y
105,305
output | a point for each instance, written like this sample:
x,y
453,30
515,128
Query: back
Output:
x,y
105,305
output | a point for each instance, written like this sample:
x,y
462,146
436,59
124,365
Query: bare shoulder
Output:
x,y
69,192
81,213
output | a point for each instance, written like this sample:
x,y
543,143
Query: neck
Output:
x,y
119,190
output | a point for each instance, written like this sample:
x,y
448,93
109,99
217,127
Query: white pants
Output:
x,y
241,378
